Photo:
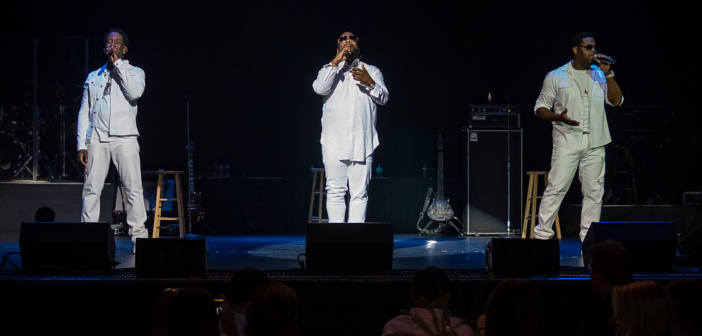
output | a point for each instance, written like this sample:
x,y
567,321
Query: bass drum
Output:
x,y
12,155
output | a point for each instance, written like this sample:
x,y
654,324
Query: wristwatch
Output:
x,y
611,74
371,87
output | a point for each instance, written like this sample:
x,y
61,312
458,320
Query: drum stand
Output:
x,y
43,160
62,151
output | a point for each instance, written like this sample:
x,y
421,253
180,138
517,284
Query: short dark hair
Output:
x,y
44,214
513,308
612,260
430,283
272,311
578,39
125,38
245,282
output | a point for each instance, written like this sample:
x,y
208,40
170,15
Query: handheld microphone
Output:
x,y
606,60
346,54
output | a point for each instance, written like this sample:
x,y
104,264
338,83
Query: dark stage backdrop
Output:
x,y
248,67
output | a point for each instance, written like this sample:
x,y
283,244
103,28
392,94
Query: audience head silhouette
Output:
x,y
272,311
192,311
610,265
642,309
44,214
430,288
513,309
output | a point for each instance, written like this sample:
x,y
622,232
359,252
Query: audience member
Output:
x,y
610,266
514,308
192,312
245,282
430,294
686,295
161,311
44,214
272,311
643,309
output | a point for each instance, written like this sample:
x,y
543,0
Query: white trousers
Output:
x,y
343,175
564,163
125,155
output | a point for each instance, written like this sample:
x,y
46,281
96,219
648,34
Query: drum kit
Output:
x,y
17,131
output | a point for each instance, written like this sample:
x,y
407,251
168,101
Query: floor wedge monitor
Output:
x,y
651,245
67,246
349,247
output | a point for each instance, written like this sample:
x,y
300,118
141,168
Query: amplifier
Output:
x,y
493,116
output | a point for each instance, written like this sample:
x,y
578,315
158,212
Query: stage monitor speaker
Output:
x,y
487,181
171,257
349,247
513,256
71,246
651,245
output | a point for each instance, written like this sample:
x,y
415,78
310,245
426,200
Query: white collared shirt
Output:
x,y
560,92
102,113
349,112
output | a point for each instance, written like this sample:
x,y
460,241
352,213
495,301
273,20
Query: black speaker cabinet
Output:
x,y
651,245
73,246
171,257
513,256
487,181
349,247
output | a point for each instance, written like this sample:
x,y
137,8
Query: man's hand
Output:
x,y
83,157
566,120
227,319
606,68
340,55
362,75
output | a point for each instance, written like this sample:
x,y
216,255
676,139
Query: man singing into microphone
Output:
x,y
573,98
352,90
107,131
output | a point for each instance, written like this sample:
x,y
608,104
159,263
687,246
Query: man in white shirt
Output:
x,y
107,131
573,98
352,90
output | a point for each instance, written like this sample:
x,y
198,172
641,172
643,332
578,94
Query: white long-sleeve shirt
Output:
x,y
126,89
561,92
349,112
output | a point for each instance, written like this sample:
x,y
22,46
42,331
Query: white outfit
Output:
x,y
405,323
349,136
584,95
107,129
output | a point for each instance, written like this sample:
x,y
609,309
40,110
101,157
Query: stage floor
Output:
x,y
411,252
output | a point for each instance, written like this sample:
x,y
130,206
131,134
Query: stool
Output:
x,y
317,190
532,197
159,201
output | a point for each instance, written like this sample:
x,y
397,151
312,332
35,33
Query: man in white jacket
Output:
x,y
107,132
352,90
573,98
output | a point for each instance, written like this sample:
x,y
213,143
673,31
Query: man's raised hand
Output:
x,y
362,75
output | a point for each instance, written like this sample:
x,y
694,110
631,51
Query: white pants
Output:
x,y
125,155
342,176
564,163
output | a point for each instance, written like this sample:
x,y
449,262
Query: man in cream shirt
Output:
x,y
573,98
107,132
352,90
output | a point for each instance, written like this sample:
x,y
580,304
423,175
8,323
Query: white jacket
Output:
x,y
127,87
560,92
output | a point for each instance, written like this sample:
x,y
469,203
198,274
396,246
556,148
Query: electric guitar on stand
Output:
x,y
196,214
440,210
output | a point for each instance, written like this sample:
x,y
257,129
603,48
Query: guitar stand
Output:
x,y
441,229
